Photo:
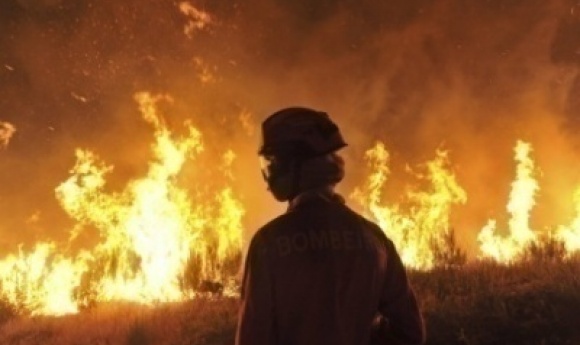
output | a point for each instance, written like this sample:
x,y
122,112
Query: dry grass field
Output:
x,y
534,302
200,321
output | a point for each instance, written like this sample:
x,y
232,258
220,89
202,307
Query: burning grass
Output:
x,y
159,241
535,301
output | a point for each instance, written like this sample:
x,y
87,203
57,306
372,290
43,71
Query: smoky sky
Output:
x,y
468,76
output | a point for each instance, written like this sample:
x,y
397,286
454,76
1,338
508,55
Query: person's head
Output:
x,y
298,152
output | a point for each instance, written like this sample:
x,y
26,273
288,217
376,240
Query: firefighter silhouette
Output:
x,y
320,273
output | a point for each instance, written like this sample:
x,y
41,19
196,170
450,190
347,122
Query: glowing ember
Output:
x,y
420,229
521,202
198,19
152,234
6,132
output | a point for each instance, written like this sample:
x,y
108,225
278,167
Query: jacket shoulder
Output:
x,y
374,228
274,225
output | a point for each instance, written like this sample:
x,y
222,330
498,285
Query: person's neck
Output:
x,y
326,193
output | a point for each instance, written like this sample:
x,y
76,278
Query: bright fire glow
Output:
x,y
153,236
42,282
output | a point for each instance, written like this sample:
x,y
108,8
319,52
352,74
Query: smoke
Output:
x,y
471,77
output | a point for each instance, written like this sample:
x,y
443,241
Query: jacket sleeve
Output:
x,y
256,316
398,303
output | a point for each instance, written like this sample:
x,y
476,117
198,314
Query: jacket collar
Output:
x,y
325,194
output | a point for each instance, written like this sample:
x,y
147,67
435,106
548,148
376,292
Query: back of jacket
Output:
x,y
318,275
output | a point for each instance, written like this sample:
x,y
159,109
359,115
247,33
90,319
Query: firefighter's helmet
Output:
x,y
299,133
295,138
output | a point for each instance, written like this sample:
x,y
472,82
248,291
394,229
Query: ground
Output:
x,y
536,302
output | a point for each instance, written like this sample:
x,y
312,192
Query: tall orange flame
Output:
x,y
521,202
420,228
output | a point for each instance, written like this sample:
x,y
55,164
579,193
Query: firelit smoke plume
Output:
x,y
469,77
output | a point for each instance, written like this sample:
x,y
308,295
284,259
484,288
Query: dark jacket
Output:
x,y
318,275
